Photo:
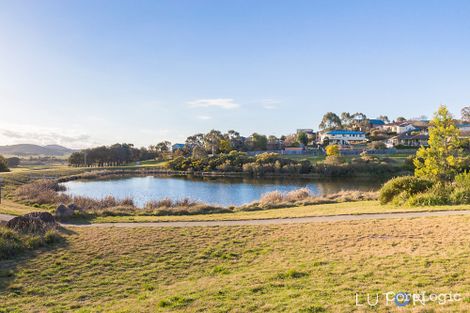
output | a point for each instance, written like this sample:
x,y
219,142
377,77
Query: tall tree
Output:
x,y
3,164
359,121
212,141
302,138
443,158
196,140
259,142
465,112
346,119
384,118
236,141
330,121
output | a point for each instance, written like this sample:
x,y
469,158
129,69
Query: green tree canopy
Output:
x,y
302,138
465,112
3,164
443,158
330,121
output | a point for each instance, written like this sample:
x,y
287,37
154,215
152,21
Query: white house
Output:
x,y
343,137
399,128
404,128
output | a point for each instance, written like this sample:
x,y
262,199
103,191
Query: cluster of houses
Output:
x,y
397,134
405,134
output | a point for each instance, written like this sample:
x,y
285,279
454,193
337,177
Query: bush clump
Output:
x,y
414,191
14,242
401,188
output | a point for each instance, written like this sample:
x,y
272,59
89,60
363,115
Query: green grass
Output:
x,y
279,268
14,208
360,207
13,243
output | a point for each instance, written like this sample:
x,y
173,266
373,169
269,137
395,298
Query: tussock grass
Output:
x,y
277,268
13,242
303,197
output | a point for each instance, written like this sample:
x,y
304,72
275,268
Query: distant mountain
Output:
x,y
29,150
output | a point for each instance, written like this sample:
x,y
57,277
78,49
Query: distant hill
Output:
x,y
29,150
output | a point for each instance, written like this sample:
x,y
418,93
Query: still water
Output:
x,y
221,191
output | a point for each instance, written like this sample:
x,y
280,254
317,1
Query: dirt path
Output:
x,y
295,220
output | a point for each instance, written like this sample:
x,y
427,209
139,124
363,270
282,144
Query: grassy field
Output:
x,y
360,207
283,268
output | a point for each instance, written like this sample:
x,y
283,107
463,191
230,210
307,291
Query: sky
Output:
x,y
84,73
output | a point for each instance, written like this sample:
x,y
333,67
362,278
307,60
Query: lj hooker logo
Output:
x,y
402,299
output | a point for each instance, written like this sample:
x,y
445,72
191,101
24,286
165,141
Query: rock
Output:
x,y
74,207
46,217
26,224
63,211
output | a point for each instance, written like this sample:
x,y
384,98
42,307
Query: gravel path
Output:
x,y
296,220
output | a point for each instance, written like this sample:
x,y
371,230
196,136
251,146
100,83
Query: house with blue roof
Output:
x,y
375,123
342,137
177,146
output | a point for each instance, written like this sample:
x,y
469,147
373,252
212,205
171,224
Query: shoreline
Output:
x,y
96,173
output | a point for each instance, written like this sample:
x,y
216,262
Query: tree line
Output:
x,y
215,142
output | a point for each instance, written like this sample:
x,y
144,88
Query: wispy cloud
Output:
x,y
224,103
270,104
204,117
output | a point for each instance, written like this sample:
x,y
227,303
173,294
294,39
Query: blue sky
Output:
x,y
81,73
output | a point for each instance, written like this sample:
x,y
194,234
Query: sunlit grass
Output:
x,y
290,268
360,207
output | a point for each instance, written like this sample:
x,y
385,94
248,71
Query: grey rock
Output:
x,y
63,211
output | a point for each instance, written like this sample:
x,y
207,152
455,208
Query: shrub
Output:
x,y
333,160
462,180
3,164
439,194
332,150
460,196
377,145
461,192
271,197
297,195
405,187
13,242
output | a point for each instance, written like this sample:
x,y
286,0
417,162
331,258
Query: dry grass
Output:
x,y
303,196
283,268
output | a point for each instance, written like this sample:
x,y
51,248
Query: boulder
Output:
x,y
75,207
26,224
46,217
63,211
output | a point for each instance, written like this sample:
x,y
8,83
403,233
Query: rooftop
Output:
x,y
376,122
345,132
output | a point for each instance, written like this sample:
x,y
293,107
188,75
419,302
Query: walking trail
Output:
x,y
293,220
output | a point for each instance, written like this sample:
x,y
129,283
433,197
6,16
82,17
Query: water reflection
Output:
x,y
222,191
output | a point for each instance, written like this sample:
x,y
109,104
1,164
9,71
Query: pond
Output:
x,y
218,191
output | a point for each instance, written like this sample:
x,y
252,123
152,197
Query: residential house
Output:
x,y
405,127
342,137
177,146
408,140
390,127
376,123
464,130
